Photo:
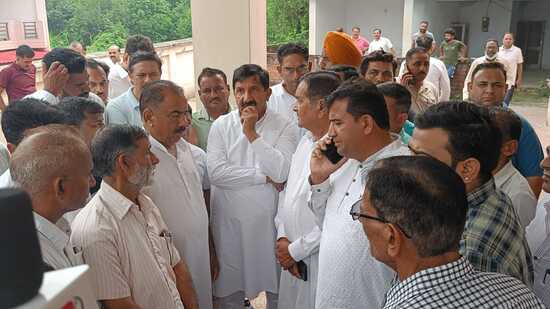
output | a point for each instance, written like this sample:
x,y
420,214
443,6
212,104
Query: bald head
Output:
x,y
53,163
114,53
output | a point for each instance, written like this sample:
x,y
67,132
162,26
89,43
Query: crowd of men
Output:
x,y
341,188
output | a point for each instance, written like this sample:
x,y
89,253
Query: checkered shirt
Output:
x,y
458,285
493,239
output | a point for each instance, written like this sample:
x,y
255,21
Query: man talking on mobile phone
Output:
x,y
423,93
349,277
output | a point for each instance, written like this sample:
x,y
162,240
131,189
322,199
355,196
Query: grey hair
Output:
x,y
45,153
153,93
111,142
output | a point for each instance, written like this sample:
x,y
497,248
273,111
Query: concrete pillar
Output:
x,y
408,14
227,34
41,15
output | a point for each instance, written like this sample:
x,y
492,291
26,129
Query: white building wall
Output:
x,y
326,15
23,10
500,14
384,14
535,11
440,15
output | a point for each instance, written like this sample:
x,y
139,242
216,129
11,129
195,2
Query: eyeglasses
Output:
x,y
355,213
301,69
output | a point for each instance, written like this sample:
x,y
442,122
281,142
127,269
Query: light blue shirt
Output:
x,y
124,109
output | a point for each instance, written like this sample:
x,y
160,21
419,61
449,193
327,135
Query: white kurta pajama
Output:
x,y
349,277
177,192
243,204
297,223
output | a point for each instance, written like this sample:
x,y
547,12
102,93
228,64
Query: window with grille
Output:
x,y
30,30
4,34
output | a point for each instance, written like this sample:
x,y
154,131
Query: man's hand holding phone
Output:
x,y
320,165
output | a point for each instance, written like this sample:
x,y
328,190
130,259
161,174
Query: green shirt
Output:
x,y
451,51
202,122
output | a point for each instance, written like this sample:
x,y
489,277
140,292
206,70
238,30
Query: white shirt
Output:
x,y
538,236
297,223
4,158
438,76
50,98
511,182
243,204
349,276
199,156
129,249
6,181
282,102
382,44
56,249
119,81
514,56
177,192
509,78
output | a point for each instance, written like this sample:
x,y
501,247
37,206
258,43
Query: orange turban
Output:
x,y
340,49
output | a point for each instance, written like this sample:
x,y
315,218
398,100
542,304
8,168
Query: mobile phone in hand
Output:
x,y
332,153
302,270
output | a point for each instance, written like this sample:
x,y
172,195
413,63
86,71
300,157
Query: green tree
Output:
x,y
287,21
100,23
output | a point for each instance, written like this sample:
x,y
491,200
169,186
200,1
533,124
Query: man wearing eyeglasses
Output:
x,y
293,64
463,136
414,213
214,96
179,181
349,277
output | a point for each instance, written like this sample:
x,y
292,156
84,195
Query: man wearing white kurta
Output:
x,y
298,235
177,186
248,159
349,276
293,64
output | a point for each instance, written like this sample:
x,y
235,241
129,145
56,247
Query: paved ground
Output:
x,y
537,118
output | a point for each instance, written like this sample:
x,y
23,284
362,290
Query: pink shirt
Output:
x,y
361,43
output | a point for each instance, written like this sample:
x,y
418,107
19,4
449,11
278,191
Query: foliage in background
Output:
x,y
100,23
287,21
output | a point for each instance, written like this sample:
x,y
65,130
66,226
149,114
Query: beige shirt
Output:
x,y
129,250
426,96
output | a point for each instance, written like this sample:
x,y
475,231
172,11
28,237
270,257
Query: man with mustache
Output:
x,y
491,55
423,93
98,82
64,75
214,96
130,250
248,159
177,185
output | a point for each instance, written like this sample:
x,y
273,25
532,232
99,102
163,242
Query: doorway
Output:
x,y
530,38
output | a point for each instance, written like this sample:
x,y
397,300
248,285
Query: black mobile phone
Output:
x,y
332,153
302,270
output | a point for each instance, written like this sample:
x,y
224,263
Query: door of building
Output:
x,y
530,38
